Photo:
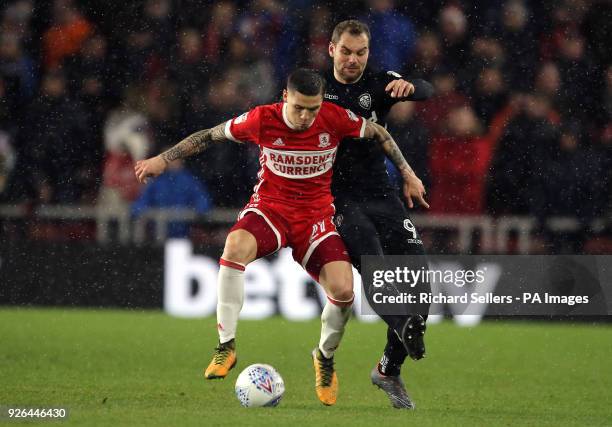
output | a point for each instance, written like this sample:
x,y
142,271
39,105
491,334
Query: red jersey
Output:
x,y
296,166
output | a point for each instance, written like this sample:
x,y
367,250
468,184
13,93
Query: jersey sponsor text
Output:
x,y
299,164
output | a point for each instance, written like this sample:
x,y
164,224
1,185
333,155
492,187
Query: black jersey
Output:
x,y
360,172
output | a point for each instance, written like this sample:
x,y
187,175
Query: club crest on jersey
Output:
x,y
365,101
324,140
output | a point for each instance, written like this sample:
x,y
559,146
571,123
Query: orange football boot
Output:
x,y
326,380
224,359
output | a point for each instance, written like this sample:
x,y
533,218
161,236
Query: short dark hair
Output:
x,y
353,27
307,82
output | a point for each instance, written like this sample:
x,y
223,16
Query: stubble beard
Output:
x,y
349,78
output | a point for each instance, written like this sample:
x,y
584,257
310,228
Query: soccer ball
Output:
x,y
259,385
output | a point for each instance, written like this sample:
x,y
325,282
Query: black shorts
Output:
x,y
380,226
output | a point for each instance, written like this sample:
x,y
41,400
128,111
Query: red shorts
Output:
x,y
312,235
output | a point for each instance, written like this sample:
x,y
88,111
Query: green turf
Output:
x,y
145,368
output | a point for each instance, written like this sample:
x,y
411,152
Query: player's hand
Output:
x,y
414,188
399,88
149,168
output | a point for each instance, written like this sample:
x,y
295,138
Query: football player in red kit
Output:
x,y
291,206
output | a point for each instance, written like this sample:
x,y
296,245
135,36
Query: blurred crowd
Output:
x,y
521,122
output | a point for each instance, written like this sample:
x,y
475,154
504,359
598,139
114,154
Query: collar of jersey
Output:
x,y
285,118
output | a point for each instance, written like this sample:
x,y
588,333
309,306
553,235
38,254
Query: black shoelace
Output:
x,y
327,371
221,353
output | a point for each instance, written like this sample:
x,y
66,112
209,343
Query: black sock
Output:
x,y
393,357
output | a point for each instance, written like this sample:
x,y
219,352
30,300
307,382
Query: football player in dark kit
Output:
x,y
370,216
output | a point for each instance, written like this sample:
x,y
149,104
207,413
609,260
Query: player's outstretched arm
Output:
x,y
413,186
193,144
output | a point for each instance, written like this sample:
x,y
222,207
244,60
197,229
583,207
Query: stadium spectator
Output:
x,y
319,29
224,98
490,94
190,69
255,72
7,108
412,138
604,150
92,74
16,20
176,188
528,141
162,110
7,162
597,27
221,27
56,142
127,138
141,61
158,17
548,82
393,36
460,160
576,68
570,178
607,95
571,184
520,42
262,26
428,56
94,80
434,112
485,53
602,137
453,27
8,129
149,42
17,70
67,32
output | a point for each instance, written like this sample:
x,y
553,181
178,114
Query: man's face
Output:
x,y
302,109
350,56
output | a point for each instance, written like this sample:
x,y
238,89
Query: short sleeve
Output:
x,y
349,124
244,127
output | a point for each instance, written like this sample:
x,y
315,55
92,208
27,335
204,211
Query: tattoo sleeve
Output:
x,y
195,143
389,146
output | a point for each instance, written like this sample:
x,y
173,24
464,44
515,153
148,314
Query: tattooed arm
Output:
x,y
193,144
413,187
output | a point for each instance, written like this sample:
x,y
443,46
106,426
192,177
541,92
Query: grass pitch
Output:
x,y
145,368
